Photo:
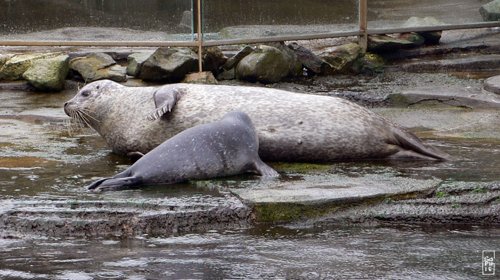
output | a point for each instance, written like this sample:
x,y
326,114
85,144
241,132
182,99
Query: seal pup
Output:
x,y
291,126
222,148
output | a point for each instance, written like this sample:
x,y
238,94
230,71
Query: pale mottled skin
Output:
x,y
290,126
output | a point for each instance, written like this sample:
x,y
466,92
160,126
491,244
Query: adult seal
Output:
x,y
290,126
222,148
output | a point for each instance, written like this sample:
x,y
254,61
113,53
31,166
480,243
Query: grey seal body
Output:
x,y
290,126
222,148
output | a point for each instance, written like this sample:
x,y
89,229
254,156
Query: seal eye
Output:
x,y
85,93
97,87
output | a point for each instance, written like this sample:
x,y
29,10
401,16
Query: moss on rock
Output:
x,y
48,74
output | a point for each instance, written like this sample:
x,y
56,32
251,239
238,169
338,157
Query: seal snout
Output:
x,y
66,109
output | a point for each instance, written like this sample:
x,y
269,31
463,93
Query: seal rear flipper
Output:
x,y
411,142
115,184
165,100
96,183
265,170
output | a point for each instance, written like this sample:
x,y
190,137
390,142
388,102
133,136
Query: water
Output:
x,y
269,253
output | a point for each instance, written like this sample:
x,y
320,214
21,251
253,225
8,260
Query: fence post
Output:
x,y
200,37
363,24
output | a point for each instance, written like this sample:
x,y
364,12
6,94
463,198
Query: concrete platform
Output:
x,y
319,194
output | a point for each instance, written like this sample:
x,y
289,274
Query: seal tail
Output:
x,y
265,170
411,142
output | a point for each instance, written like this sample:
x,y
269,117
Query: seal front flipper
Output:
x,y
115,184
165,99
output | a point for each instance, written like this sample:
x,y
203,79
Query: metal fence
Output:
x,y
198,41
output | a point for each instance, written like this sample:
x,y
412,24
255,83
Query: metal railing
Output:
x,y
362,34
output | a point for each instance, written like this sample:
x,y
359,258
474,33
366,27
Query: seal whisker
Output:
x,y
87,113
83,118
73,123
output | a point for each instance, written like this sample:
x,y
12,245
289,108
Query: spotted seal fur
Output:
x,y
290,126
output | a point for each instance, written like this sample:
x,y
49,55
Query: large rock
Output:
x,y
14,67
213,59
432,37
206,77
98,66
369,63
4,58
135,62
268,64
48,74
386,43
492,84
169,65
309,60
417,39
490,11
341,58
234,60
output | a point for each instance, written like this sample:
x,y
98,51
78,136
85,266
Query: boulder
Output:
x,y
267,64
227,74
115,73
490,11
386,43
340,58
294,64
417,39
169,65
206,77
432,37
309,60
48,74
135,62
98,66
234,60
492,84
4,58
213,59
14,67
369,63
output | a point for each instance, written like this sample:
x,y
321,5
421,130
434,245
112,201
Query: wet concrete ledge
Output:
x,y
452,203
286,202
129,218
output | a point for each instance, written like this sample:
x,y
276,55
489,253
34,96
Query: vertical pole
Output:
x,y
200,38
363,24
192,20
